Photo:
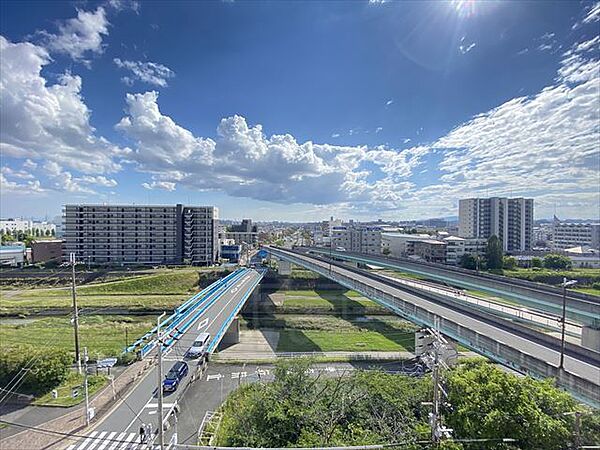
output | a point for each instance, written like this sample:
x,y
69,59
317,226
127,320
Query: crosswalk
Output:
x,y
106,440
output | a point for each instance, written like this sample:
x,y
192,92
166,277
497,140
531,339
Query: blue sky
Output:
x,y
300,110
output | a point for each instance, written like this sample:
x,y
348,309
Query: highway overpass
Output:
x,y
213,311
581,307
509,343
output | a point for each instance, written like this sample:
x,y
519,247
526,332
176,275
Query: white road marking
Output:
x,y
108,440
118,439
155,405
236,375
217,376
87,441
128,441
97,440
202,324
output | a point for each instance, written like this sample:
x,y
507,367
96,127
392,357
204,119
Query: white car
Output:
x,y
199,346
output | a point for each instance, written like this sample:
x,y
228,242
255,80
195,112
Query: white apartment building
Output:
x,y
456,247
26,226
398,244
568,235
510,219
359,239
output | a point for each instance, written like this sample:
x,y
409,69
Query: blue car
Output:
x,y
174,377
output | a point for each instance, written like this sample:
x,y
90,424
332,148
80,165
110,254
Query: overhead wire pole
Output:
x,y
75,313
85,388
563,320
161,435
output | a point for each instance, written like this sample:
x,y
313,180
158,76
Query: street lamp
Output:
x,y
565,284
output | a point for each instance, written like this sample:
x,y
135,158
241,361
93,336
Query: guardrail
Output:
x,y
183,311
219,335
519,360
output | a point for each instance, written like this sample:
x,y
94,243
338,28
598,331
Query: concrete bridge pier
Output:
x,y
284,267
590,336
232,335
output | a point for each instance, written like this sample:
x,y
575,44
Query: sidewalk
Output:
x,y
74,421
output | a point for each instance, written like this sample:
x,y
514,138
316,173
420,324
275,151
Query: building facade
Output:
x,y
510,219
358,239
401,244
456,247
27,226
245,232
430,250
568,235
141,234
46,250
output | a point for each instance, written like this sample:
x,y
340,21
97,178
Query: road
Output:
x,y
582,369
119,430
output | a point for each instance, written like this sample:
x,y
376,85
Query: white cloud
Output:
x,y
378,129
389,102
99,180
593,14
29,188
164,185
22,174
335,135
147,72
242,161
80,35
48,122
464,49
120,5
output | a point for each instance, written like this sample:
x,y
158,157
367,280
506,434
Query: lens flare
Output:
x,y
465,8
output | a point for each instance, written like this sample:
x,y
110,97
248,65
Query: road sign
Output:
x,y
75,392
108,362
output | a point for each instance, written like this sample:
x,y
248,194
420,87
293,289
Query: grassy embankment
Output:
x,y
104,335
322,321
65,389
148,293
588,279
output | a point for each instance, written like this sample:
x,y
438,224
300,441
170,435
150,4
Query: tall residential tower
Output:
x,y
510,219
141,234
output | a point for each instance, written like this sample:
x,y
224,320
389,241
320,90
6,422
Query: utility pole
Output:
x,y
161,436
75,313
85,387
563,319
435,415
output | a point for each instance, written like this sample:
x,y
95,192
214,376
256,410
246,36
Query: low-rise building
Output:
x,y
46,250
358,239
400,244
456,247
245,232
12,255
430,250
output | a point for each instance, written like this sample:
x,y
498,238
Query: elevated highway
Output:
x,y
213,311
581,307
521,348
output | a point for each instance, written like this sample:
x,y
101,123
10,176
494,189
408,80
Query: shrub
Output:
x,y
509,262
557,262
536,262
46,368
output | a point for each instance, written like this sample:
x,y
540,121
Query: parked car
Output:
x,y
199,346
175,376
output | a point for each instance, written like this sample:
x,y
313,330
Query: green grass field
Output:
x,y
103,335
329,341
338,301
590,290
65,389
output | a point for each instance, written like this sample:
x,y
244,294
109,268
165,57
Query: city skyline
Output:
x,y
360,110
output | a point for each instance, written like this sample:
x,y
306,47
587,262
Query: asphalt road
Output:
x,y
120,429
575,366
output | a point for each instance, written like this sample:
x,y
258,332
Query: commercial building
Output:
x,y
141,234
359,239
231,252
12,255
510,219
245,232
46,250
568,235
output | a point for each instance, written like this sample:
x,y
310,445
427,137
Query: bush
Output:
x,y
50,367
557,262
509,262
468,261
536,262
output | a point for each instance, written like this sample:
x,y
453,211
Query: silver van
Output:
x,y
199,346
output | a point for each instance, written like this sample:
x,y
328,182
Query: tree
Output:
x,y
468,261
493,253
489,403
53,232
536,262
509,263
557,262
47,233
